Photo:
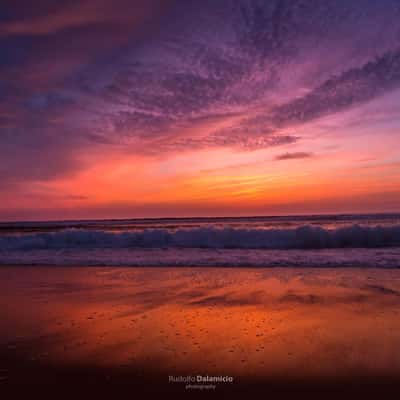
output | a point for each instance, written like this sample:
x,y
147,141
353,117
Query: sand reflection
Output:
x,y
241,322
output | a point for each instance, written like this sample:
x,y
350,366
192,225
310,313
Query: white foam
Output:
x,y
304,237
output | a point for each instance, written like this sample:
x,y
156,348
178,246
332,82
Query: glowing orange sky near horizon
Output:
x,y
130,109
326,174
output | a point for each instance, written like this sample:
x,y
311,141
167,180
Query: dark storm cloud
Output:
x,y
160,77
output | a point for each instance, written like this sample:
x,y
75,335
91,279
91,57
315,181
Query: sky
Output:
x,y
131,108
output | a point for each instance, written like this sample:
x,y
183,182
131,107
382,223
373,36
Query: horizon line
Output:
x,y
200,218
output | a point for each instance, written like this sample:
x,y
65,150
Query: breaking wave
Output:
x,y
304,237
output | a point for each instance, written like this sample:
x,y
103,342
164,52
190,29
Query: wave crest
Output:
x,y
304,237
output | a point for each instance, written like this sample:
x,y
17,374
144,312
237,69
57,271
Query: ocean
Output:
x,y
371,240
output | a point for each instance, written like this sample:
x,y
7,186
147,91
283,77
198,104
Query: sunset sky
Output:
x,y
128,108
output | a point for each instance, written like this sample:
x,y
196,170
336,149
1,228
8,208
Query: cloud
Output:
x,y
74,14
126,75
188,78
293,156
61,18
352,87
339,93
238,142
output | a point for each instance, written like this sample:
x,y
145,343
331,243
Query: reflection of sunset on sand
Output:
x,y
247,323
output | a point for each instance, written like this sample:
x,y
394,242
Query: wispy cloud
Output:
x,y
293,156
124,75
74,15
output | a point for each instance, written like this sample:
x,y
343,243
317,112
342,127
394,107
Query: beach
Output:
x,y
264,329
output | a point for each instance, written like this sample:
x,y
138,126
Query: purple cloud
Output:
x,y
78,75
293,156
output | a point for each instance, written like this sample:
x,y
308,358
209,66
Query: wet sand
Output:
x,y
278,330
